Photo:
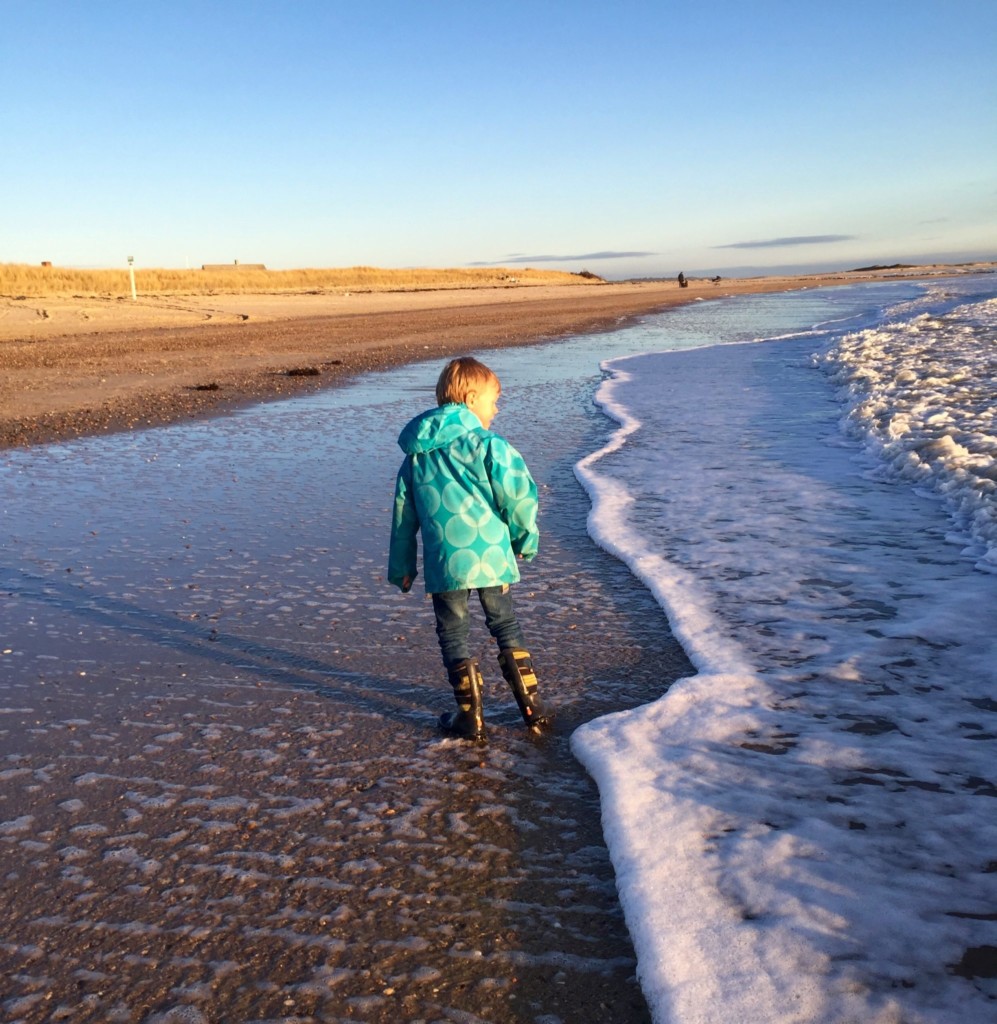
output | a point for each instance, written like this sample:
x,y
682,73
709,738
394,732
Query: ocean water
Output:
x,y
805,829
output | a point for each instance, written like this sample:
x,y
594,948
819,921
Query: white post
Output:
x,y
131,276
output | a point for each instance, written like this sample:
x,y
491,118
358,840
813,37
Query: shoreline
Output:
x,y
224,772
79,366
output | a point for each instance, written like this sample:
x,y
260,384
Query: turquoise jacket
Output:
x,y
471,494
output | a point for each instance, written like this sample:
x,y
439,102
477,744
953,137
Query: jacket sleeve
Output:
x,y
404,527
515,495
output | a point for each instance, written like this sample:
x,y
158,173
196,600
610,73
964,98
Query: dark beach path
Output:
x,y
222,797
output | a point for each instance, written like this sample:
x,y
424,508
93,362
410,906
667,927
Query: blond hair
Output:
x,y
460,377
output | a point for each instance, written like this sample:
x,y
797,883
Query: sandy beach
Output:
x,y
223,795
77,365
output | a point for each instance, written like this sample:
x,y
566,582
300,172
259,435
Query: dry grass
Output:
x,y
22,280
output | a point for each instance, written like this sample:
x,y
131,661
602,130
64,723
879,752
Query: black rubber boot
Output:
x,y
517,667
468,722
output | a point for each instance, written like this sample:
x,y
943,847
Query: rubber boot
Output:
x,y
468,722
517,667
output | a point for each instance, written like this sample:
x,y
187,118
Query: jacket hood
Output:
x,y
437,428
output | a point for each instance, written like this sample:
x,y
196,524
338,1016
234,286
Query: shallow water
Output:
x,y
222,795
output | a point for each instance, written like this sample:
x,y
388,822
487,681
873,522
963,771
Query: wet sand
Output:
x,y
222,793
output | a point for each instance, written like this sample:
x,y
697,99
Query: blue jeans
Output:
x,y
453,621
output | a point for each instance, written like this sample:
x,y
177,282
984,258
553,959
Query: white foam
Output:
x,y
802,831
920,395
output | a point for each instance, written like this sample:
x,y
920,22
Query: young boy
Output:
x,y
472,496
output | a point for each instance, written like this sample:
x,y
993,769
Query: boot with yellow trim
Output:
x,y
517,667
468,722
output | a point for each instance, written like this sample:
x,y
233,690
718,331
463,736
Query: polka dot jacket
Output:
x,y
470,493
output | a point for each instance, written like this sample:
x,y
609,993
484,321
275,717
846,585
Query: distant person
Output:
x,y
683,283
470,493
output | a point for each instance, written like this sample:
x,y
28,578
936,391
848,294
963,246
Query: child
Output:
x,y
471,494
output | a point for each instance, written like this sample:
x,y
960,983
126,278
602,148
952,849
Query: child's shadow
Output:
x,y
267,662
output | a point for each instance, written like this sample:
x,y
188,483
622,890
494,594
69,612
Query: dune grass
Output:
x,y
20,279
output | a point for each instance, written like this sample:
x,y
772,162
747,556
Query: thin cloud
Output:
x,y
776,243
516,258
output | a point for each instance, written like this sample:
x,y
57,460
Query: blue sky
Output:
x,y
718,136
